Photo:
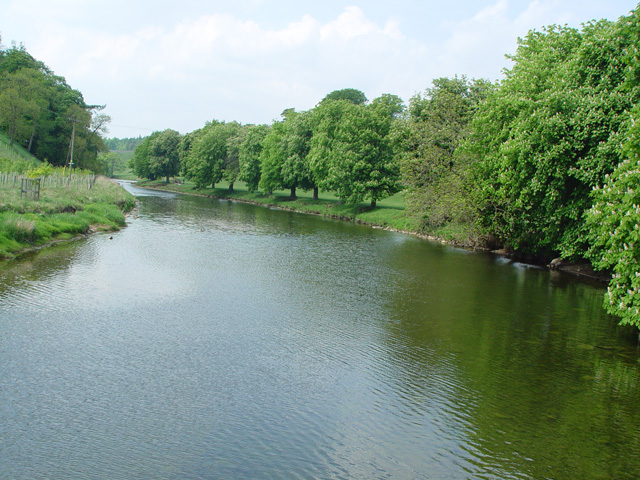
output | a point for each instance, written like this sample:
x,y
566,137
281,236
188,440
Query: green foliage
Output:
x,y
325,120
163,154
361,161
249,156
212,152
294,168
435,174
40,171
614,231
123,144
549,134
140,162
349,94
38,111
271,157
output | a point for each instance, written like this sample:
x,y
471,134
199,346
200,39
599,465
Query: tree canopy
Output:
x,y
39,111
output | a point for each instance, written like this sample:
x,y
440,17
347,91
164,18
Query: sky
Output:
x,y
178,64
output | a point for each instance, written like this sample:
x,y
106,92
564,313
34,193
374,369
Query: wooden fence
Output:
x,y
51,181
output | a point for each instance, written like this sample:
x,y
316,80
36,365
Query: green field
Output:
x,y
66,206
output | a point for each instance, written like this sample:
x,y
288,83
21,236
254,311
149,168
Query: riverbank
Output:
x,y
60,214
388,215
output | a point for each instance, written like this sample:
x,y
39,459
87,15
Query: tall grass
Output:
x,y
60,212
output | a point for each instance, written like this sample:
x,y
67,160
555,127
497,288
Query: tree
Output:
x,y
354,156
235,137
164,158
549,134
19,104
140,162
34,107
295,169
614,231
433,171
349,94
325,120
109,161
249,155
283,159
271,157
211,154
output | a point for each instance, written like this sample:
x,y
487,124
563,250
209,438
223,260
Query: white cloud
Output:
x,y
180,65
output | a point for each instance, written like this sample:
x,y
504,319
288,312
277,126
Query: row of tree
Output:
x,y
123,144
544,163
344,145
41,112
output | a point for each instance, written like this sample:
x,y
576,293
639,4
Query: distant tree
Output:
x,y
390,105
140,162
109,160
271,157
212,154
350,94
249,155
164,159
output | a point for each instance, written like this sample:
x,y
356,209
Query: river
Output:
x,y
218,340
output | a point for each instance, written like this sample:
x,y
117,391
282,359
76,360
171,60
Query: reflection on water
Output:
x,y
212,339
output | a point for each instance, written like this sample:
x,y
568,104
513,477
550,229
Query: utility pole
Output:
x,y
73,136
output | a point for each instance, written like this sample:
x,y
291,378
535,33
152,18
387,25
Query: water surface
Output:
x,y
212,339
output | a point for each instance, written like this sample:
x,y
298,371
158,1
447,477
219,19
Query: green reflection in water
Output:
x,y
549,386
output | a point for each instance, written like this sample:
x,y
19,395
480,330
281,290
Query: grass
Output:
x,y
15,158
388,213
60,213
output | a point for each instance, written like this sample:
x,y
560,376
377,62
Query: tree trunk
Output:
x,y
293,193
33,134
373,204
315,193
231,187
13,135
167,179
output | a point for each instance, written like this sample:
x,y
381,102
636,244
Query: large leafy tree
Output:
x,y
164,154
295,169
140,162
284,155
249,155
19,101
362,163
236,134
614,219
325,120
207,157
433,171
550,133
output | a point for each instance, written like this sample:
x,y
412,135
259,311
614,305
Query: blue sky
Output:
x,y
167,64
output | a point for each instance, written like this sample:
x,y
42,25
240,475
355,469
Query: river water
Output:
x,y
212,339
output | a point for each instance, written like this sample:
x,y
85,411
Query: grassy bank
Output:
x,y
60,213
389,213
